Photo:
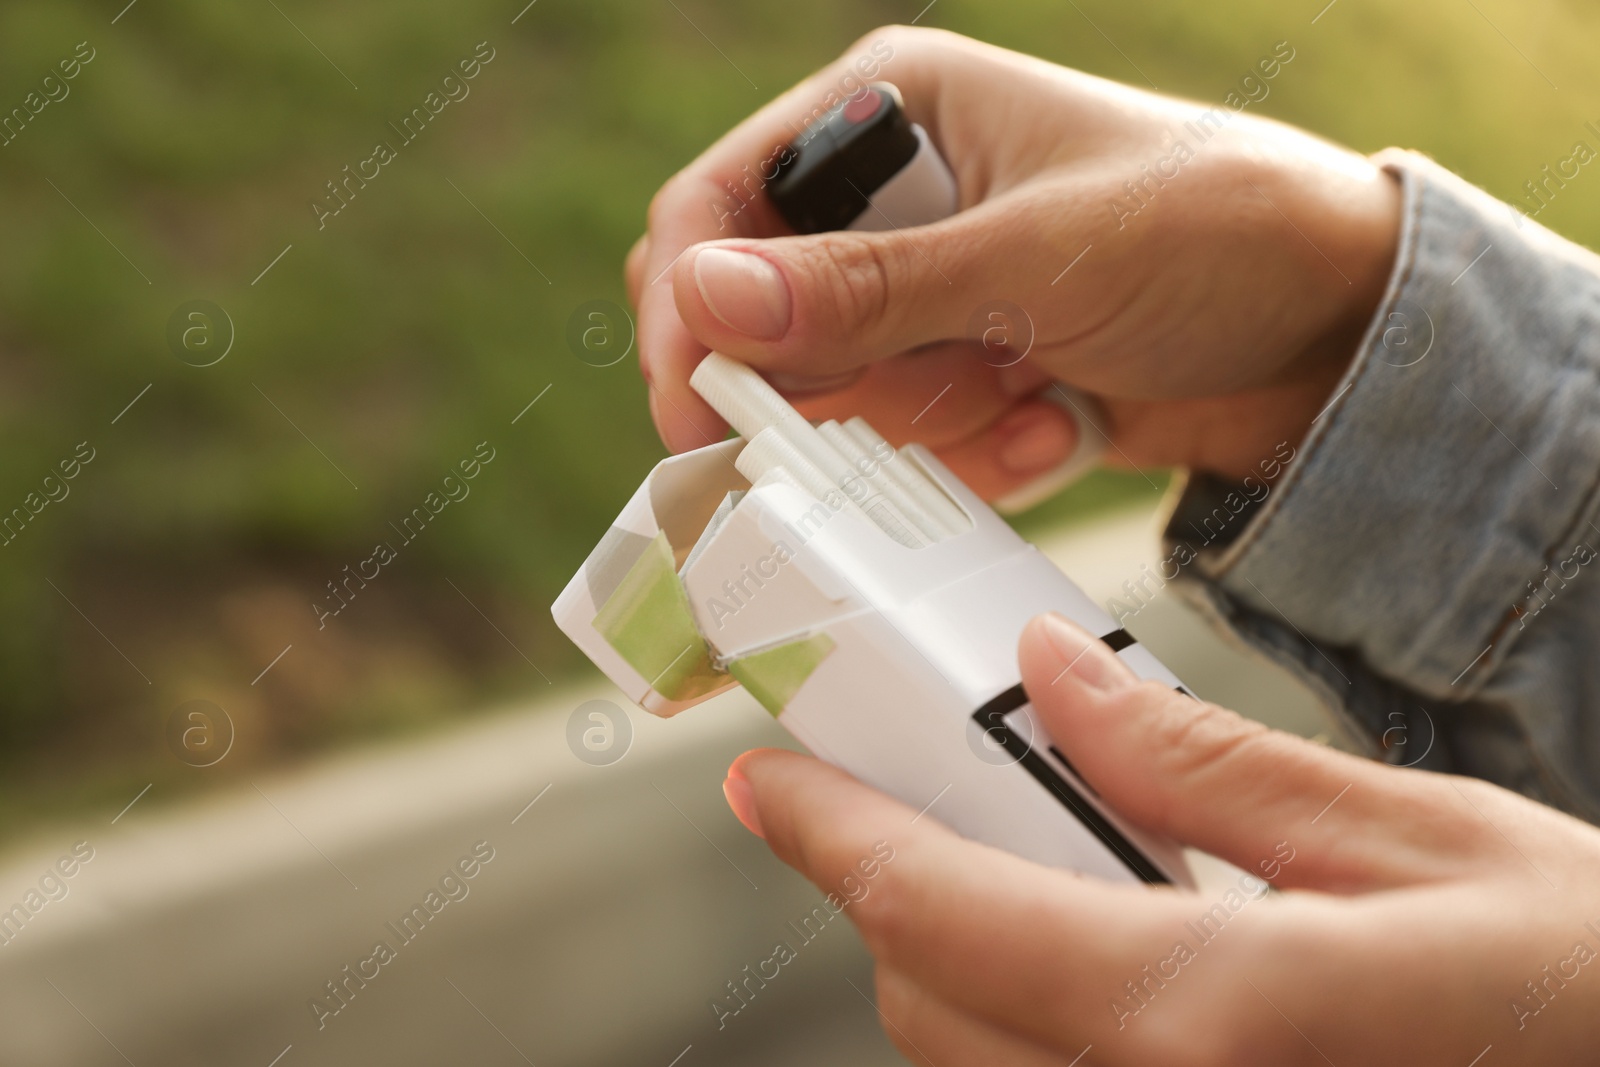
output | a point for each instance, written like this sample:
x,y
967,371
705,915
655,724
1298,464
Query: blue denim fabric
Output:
x,y
1430,561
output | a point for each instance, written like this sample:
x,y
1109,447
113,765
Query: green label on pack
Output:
x,y
647,619
773,677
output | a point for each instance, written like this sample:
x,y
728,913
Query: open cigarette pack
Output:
x,y
872,604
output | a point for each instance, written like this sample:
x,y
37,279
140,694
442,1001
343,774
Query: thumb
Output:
x,y
1271,803
812,310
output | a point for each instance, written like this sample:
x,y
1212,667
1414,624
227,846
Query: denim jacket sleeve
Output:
x,y
1428,559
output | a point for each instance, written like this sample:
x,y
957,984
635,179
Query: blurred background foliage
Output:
x,y
412,327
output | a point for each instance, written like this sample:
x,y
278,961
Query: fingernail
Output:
x,y
1083,657
744,291
742,799
1040,441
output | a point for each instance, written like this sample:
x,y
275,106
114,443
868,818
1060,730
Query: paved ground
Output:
x,y
614,907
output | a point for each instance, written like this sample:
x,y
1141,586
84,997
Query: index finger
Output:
x,y
1035,951
720,195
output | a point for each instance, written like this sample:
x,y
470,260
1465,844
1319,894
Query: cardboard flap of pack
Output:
x,y
663,632
626,608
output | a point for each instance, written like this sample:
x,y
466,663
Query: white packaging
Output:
x,y
897,664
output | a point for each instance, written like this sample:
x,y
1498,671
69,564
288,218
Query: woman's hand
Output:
x,y
1422,918
1228,266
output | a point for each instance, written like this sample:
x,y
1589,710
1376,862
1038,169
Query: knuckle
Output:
x,y
667,200
1230,1021
900,1041
898,37
633,265
882,916
1199,735
798,845
894,995
901,1007
898,1037
1480,793
1486,806
1179,1046
856,276
889,34
657,207
1208,1031
1208,1045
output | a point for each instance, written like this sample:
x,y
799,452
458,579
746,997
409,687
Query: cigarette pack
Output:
x,y
896,663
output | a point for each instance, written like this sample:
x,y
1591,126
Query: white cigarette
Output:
x,y
870,467
751,406
909,478
769,451
740,395
772,476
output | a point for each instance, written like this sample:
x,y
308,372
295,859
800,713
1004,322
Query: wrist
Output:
x,y
1369,236
1346,218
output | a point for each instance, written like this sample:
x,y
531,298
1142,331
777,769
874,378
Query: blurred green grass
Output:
x,y
408,329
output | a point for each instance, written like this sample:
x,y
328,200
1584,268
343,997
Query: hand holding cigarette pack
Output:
x,y
862,594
